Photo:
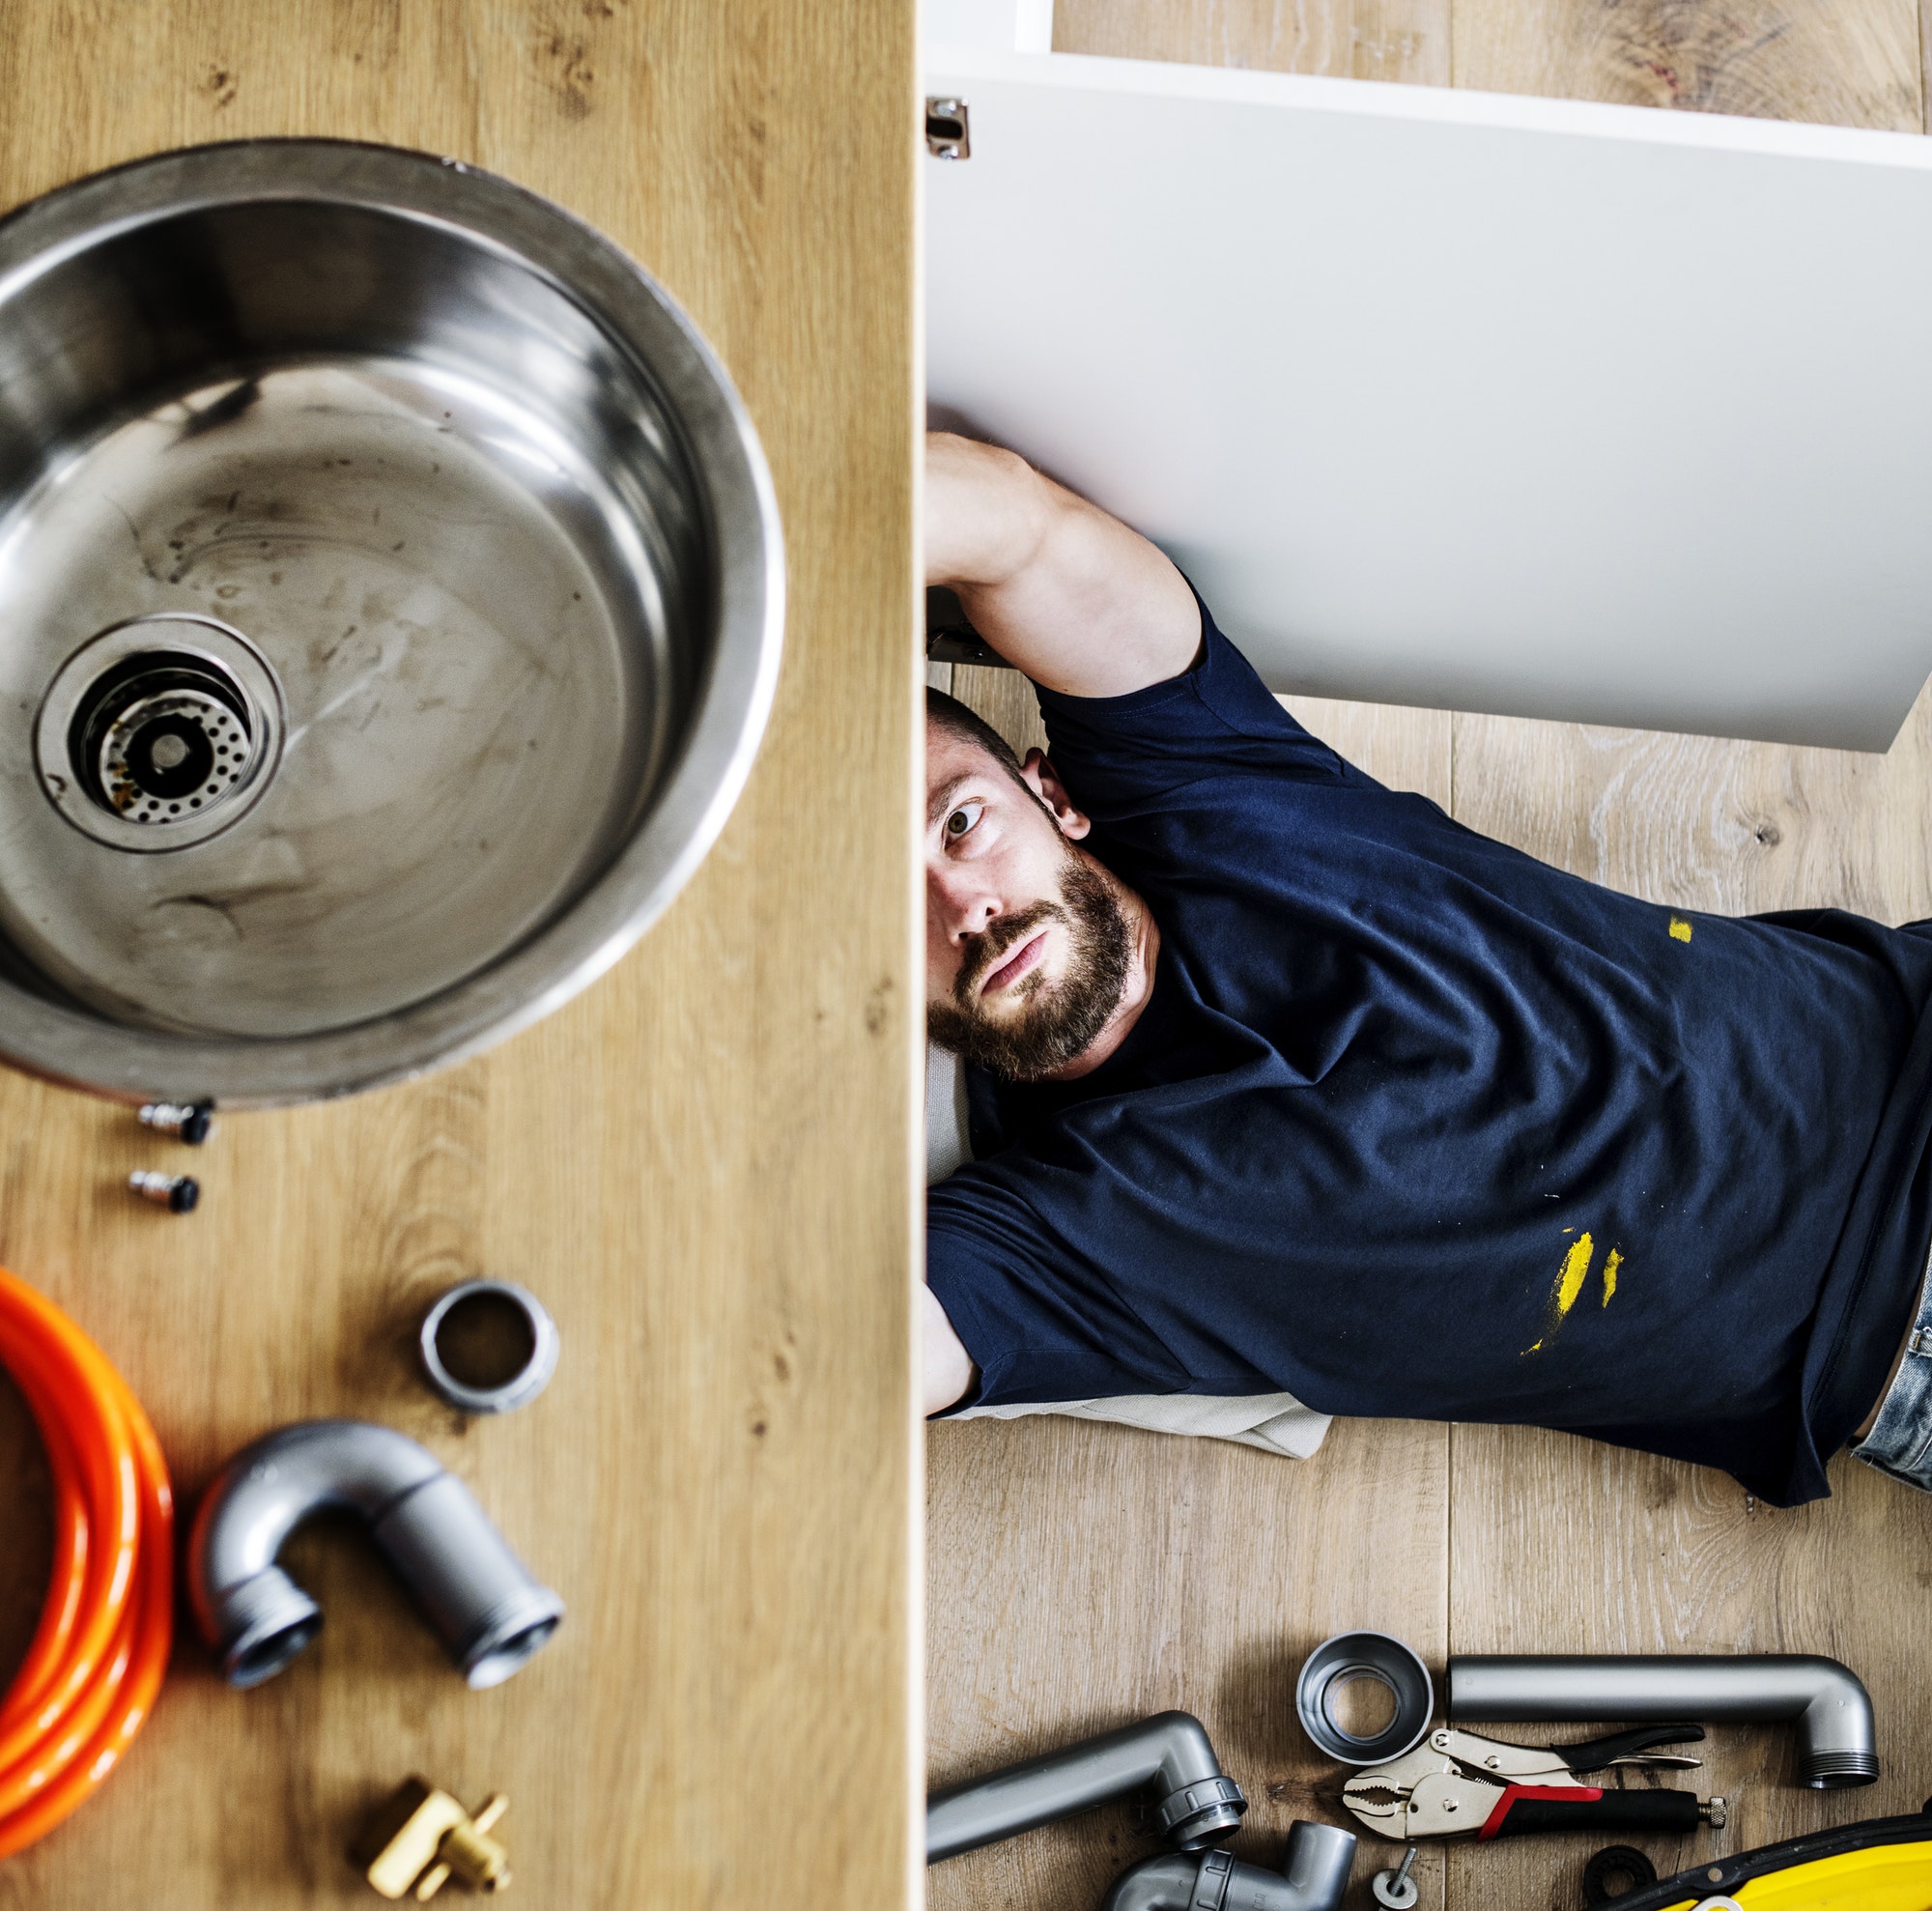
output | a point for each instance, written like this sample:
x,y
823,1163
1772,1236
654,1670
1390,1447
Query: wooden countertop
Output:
x,y
704,1166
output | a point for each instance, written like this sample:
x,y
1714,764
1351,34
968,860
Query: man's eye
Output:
x,y
963,818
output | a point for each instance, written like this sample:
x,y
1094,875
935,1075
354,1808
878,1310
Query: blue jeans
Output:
x,y
1900,1441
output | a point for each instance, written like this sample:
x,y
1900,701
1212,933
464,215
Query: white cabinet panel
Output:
x,y
1467,400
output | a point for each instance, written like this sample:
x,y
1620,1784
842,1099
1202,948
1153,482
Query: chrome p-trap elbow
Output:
x,y
1313,1877
1168,1756
491,1613
1838,1739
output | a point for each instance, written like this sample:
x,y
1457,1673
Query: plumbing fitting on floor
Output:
x,y
422,1837
1838,1739
1169,1756
178,1194
491,1613
487,1304
88,1682
1394,1890
1624,1864
1377,1659
1313,1877
189,1122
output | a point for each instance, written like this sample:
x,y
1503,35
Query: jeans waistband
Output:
x,y
1900,1441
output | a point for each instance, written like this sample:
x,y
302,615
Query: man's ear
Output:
x,y
1043,780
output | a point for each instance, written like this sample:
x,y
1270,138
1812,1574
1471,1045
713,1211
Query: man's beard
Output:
x,y
1055,1019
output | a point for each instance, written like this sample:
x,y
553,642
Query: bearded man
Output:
x,y
1284,1083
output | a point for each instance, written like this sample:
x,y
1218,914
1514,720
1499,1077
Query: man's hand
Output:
x,y
1060,590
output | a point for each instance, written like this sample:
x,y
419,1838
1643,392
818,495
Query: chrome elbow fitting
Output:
x,y
1313,1877
491,1613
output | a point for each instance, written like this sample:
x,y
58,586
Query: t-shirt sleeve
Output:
x,y
1217,718
1040,1321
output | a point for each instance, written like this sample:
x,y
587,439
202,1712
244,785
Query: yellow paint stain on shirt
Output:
x,y
1571,1280
1576,1271
1680,929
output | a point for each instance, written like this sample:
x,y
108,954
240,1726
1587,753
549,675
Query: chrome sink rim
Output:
x,y
731,710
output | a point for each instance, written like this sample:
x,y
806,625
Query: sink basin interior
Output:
x,y
454,517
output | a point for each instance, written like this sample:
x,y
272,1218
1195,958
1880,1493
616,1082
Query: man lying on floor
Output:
x,y
1284,1082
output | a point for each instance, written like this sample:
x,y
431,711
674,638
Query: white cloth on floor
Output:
x,y
1274,1422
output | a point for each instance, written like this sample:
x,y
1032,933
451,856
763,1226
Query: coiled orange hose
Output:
x,y
90,1676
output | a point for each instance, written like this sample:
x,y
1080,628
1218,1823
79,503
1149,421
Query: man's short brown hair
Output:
x,y
969,726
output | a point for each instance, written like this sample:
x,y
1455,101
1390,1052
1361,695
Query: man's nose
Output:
x,y
966,907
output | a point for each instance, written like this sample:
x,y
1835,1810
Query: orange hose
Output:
x,y
90,1676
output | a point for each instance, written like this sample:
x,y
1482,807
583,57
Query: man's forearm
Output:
x,y
1063,591
986,513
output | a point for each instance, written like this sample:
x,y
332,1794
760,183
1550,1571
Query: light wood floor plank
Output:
x,y
1925,62
1084,1575
1836,62
1394,40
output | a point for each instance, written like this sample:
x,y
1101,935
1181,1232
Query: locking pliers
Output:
x,y
1457,1782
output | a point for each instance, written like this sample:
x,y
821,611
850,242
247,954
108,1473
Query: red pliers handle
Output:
x,y
1587,1808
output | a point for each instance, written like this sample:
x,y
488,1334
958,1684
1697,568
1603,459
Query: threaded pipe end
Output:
x,y
1840,1771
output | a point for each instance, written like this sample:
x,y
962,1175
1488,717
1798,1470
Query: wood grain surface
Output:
x,y
1839,62
1395,39
704,1166
1059,1596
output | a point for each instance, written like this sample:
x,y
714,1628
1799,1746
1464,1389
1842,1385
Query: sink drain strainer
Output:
x,y
159,733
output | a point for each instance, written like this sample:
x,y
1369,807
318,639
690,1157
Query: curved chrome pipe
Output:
x,y
1313,1877
491,1613
1838,1739
1168,1755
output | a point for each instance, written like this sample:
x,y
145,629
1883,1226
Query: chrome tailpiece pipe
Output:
x,y
1837,1741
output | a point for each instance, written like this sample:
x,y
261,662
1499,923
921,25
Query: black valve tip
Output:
x,y
200,1123
183,1194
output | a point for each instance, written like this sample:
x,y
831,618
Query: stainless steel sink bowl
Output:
x,y
391,601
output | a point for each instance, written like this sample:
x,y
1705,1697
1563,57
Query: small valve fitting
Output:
x,y
421,1837
177,1193
191,1122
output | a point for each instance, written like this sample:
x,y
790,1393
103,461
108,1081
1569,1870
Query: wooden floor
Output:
x,y
1081,1574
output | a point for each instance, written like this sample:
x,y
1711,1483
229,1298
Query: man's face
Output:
x,y
1027,951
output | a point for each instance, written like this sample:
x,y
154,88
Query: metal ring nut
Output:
x,y
525,1383
1387,1662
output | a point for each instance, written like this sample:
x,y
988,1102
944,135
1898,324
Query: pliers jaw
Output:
x,y
1434,1791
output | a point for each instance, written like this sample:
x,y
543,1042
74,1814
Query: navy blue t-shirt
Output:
x,y
1415,1126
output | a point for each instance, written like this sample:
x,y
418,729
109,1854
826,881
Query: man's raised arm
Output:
x,y
1060,590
